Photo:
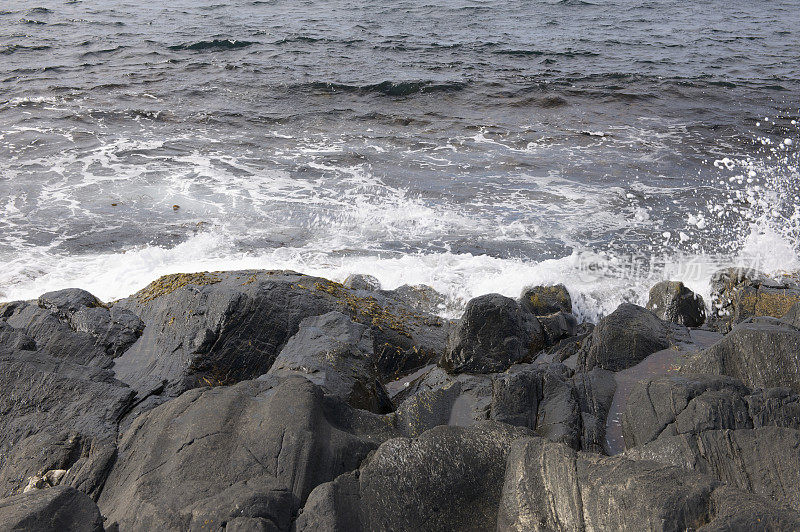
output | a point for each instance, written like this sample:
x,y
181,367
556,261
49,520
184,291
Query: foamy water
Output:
x,y
469,157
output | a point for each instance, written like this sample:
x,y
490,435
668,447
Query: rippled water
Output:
x,y
473,145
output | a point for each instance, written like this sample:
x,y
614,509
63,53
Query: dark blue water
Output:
x,y
473,145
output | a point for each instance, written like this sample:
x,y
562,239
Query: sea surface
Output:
x,y
473,145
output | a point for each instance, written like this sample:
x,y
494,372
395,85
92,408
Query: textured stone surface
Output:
x,y
761,352
255,449
56,509
221,328
450,478
672,301
493,334
623,338
336,354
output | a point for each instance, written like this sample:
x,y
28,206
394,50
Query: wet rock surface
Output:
x,y
494,333
763,352
625,337
741,293
221,328
672,301
276,401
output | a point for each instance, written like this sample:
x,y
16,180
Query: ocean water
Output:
x,y
473,145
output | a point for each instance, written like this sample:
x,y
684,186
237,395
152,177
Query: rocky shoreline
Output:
x,y
273,400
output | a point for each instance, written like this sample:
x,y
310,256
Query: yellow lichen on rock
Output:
x,y
169,283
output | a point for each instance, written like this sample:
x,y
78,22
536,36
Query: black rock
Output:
x,y
360,281
544,300
420,296
623,338
57,415
672,301
551,487
336,354
545,398
56,509
763,460
450,478
761,352
255,449
493,334
221,328
74,325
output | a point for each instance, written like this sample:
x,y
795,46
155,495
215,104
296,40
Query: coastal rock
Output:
x,y
57,415
221,328
56,509
360,281
677,404
419,296
741,293
493,334
672,301
761,352
544,300
551,487
449,478
545,398
558,326
793,316
337,355
623,338
74,325
255,449
763,460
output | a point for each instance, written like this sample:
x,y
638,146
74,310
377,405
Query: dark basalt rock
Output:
x,y
545,398
672,301
493,334
57,415
74,325
741,293
623,338
420,296
544,300
761,352
793,316
450,478
675,405
255,449
763,460
551,487
220,328
337,355
360,281
57,509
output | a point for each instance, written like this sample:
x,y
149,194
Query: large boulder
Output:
x,y
623,338
549,487
221,328
336,354
672,301
56,509
741,293
493,334
74,325
761,352
544,300
763,460
254,450
361,281
545,398
57,415
449,478
675,405
419,296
